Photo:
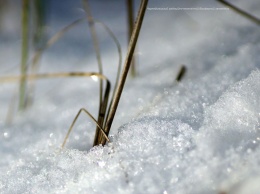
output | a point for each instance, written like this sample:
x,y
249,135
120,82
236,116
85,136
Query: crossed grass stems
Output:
x,y
102,133
107,109
104,119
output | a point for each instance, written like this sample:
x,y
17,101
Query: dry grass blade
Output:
x,y
7,79
130,17
94,36
74,121
120,87
102,113
241,12
119,50
25,52
39,9
100,68
181,73
38,17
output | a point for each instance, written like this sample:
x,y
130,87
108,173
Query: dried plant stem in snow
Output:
x,y
181,73
130,17
126,67
25,52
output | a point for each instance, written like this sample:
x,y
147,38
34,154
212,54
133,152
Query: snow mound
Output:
x,y
233,121
155,154
142,147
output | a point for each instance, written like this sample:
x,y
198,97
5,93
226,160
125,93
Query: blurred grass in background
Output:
x,y
33,21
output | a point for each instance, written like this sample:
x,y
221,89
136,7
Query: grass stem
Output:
x,y
25,52
126,67
95,42
100,68
130,17
181,73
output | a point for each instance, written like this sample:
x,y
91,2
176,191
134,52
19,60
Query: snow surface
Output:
x,y
198,136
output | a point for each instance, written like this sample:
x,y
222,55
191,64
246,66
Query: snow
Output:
x,y
198,136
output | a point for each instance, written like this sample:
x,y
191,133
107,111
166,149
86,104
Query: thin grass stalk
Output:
x,y
103,115
39,19
94,36
7,79
119,50
130,17
98,57
74,121
129,56
95,43
39,22
181,73
241,12
24,53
